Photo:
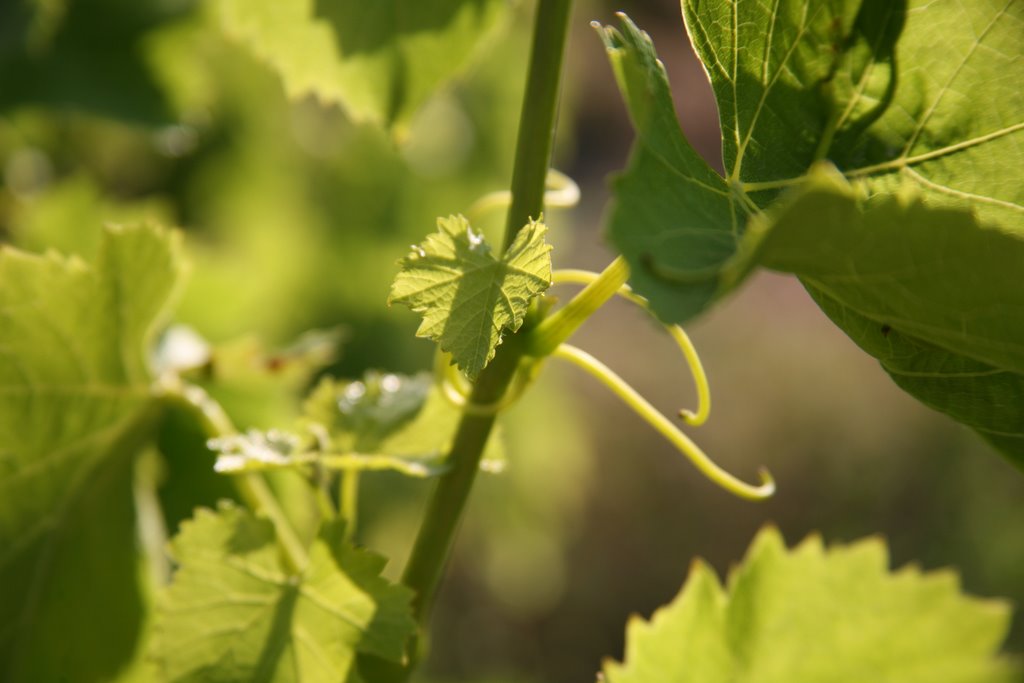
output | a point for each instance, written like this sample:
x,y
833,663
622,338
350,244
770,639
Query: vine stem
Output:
x,y
533,152
537,118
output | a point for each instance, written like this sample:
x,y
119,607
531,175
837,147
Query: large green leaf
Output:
x,y
380,60
982,396
467,296
75,406
811,615
922,230
234,613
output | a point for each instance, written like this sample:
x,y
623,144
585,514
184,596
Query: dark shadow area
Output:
x,y
88,59
361,26
279,637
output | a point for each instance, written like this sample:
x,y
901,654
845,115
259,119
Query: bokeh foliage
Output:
x,y
294,217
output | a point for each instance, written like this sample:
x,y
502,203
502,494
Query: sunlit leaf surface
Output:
x,y
75,406
469,297
234,613
380,60
810,615
918,230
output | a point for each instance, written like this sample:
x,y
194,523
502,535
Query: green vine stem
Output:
x,y
537,118
252,487
348,501
533,151
664,426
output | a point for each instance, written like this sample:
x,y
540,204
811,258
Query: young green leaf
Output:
x,y
861,85
393,422
469,298
75,407
361,414
382,422
809,615
234,613
380,60
256,450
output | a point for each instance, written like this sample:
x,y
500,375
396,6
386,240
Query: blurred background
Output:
x,y
295,217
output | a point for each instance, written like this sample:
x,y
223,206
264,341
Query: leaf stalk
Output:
x,y
251,486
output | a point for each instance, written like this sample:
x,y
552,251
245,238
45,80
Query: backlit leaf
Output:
x,y
380,60
469,298
810,615
75,407
920,232
234,613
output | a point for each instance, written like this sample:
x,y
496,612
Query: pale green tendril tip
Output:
x,y
457,390
553,331
664,426
562,193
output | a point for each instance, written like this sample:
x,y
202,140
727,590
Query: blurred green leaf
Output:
x,y
234,613
814,615
361,414
932,273
467,297
260,386
76,406
69,217
380,60
382,422
85,55
925,240
396,416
